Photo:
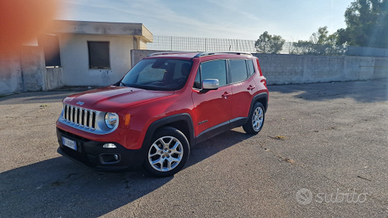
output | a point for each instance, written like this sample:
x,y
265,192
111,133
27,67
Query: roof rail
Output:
x,y
222,52
167,52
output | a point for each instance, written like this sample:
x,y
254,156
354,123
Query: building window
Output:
x,y
50,45
99,55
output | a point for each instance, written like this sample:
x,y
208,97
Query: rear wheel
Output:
x,y
168,152
255,120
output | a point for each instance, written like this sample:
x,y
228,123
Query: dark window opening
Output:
x,y
50,45
99,55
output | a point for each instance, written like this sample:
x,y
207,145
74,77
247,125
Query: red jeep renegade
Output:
x,y
165,104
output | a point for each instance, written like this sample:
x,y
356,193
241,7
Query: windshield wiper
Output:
x,y
121,83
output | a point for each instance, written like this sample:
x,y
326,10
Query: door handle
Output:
x,y
225,95
250,88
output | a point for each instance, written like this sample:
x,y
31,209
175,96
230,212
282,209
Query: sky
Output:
x,y
230,19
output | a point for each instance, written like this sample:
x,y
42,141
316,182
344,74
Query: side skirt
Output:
x,y
220,128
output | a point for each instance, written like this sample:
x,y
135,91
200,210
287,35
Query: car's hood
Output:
x,y
113,98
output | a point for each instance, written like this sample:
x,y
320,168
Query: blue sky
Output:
x,y
231,19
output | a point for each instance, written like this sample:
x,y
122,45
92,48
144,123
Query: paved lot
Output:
x,y
322,153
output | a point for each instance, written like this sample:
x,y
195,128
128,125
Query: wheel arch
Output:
x,y
262,98
182,122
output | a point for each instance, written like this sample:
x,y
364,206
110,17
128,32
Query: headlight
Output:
x,y
111,120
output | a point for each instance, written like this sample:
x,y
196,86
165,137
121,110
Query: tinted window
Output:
x,y
251,68
238,70
214,70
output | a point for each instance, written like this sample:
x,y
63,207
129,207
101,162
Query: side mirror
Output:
x,y
210,84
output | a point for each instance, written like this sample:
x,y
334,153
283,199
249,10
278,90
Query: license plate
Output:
x,y
69,143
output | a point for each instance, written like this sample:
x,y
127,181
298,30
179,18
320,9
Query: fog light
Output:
x,y
109,158
109,145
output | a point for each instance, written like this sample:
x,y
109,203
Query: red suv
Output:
x,y
165,104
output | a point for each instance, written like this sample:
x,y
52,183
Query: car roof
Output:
x,y
191,55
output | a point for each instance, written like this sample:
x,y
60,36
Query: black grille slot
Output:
x,y
83,117
65,111
93,120
78,114
87,118
72,114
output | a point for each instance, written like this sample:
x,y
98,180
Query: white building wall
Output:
x,y
10,74
142,45
75,59
22,71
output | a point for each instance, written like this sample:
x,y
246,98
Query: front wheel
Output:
x,y
255,120
168,152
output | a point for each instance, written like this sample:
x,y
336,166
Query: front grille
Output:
x,y
81,117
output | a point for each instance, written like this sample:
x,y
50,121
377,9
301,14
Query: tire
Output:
x,y
168,152
255,120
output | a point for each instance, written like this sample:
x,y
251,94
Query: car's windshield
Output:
x,y
158,74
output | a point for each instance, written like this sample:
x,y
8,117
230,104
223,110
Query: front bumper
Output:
x,y
92,154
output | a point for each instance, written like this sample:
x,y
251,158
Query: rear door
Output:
x,y
243,86
212,108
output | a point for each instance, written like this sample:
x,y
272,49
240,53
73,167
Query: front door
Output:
x,y
212,108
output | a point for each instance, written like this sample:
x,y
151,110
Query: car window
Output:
x,y
197,81
251,68
148,75
158,74
214,70
178,71
238,70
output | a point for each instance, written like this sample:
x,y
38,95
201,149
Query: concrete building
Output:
x,y
73,53
97,53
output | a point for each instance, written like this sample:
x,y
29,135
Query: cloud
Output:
x,y
245,19
158,13
229,6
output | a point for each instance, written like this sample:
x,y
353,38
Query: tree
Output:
x,y
302,47
267,43
322,37
367,24
320,43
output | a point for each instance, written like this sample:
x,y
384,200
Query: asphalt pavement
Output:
x,y
322,153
